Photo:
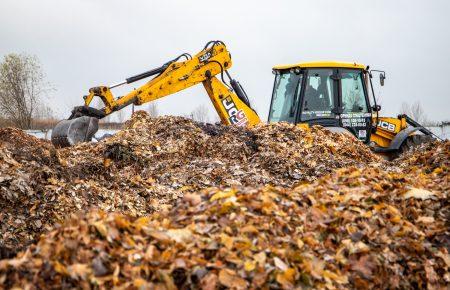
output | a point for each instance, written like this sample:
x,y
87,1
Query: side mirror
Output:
x,y
376,108
382,78
382,75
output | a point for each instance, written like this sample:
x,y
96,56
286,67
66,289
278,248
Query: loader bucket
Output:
x,y
70,132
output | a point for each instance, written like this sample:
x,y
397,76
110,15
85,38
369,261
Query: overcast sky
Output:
x,y
83,43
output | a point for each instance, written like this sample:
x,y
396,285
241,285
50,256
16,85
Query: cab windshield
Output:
x,y
285,97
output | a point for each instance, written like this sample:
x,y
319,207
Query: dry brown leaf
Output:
x,y
286,278
229,278
418,193
79,271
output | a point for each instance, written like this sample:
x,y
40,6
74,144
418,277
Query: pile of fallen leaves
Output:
x,y
428,157
152,163
177,152
170,203
357,228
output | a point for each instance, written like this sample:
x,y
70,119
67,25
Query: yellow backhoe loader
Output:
x,y
332,94
336,95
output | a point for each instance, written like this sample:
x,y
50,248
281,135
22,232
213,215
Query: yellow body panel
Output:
x,y
312,64
387,129
231,110
202,68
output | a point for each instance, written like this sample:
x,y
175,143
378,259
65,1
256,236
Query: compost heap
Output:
x,y
377,225
149,165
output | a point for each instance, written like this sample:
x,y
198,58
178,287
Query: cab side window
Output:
x,y
285,98
353,99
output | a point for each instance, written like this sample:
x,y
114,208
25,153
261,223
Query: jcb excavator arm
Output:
x,y
230,101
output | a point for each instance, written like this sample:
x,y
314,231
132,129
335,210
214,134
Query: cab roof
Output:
x,y
312,64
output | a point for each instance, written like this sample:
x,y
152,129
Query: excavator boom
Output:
x,y
229,100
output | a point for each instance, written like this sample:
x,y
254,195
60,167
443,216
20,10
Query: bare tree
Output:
x,y
106,119
200,114
43,112
43,118
415,111
153,110
22,85
120,116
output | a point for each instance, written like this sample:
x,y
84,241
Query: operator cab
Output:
x,y
330,94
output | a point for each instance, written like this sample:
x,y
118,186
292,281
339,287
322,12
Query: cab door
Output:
x,y
355,111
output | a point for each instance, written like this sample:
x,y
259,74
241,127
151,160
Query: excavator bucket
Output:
x,y
73,131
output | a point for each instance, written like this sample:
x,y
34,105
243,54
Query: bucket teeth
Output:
x,y
70,132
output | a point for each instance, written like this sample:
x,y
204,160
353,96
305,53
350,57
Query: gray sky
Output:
x,y
86,43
